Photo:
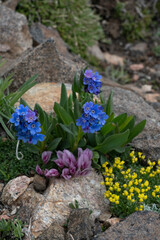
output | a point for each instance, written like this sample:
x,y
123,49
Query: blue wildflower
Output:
x,y
93,118
87,107
34,127
35,138
92,82
21,110
15,119
27,125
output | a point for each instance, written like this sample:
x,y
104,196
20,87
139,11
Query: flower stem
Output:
x,y
19,155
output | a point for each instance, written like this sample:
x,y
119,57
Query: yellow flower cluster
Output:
x,y
127,185
133,158
156,191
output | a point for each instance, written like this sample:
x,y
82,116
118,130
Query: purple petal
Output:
x,y
66,174
60,163
51,173
39,170
46,156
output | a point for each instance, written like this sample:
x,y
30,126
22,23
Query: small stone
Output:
x,y
14,189
151,97
5,217
147,88
113,221
136,67
139,47
114,59
103,217
39,183
135,77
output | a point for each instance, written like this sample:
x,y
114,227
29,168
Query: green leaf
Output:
x,y
62,114
120,119
107,128
24,88
112,142
6,129
53,145
66,129
125,123
136,130
109,105
40,113
63,99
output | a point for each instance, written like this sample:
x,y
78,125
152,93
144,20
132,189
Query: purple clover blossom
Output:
x,y
92,82
27,125
68,164
46,155
94,120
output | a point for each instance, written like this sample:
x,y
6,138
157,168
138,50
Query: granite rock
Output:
x,y
41,33
131,103
14,189
52,207
14,31
45,61
138,226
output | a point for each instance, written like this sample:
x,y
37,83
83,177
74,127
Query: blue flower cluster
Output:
x,y
27,125
93,118
92,82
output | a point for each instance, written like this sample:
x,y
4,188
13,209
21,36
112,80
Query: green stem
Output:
x,y
79,136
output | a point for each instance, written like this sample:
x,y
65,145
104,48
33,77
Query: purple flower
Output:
x,y
51,173
66,174
88,74
92,82
30,116
39,170
84,161
46,155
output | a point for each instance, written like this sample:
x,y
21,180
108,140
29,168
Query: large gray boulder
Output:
x,y
47,62
14,32
139,225
129,102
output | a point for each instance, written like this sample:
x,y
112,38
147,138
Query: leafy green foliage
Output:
x,y
134,27
76,22
10,166
11,229
8,100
